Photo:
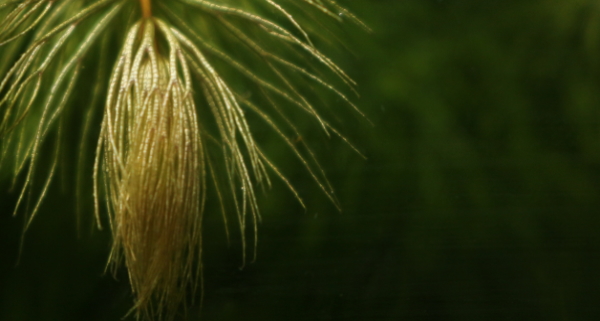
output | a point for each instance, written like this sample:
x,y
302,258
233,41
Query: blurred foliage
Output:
x,y
478,198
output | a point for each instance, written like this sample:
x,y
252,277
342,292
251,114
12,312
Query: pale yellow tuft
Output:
x,y
164,101
151,151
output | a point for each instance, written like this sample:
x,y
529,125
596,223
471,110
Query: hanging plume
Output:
x,y
151,150
174,124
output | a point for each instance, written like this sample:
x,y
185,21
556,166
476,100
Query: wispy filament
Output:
x,y
151,165
153,158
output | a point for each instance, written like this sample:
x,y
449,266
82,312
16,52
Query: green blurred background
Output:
x,y
478,198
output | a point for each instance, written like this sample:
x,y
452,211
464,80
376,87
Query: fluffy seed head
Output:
x,y
152,155
193,76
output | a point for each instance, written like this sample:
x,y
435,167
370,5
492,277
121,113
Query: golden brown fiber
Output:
x,y
154,165
206,71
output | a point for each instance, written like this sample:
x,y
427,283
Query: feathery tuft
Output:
x,y
188,72
152,154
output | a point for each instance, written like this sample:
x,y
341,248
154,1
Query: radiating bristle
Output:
x,y
163,98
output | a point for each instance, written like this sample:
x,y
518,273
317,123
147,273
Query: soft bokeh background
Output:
x,y
478,198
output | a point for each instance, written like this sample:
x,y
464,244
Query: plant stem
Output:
x,y
146,8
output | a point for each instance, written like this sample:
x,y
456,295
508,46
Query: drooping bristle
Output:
x,y
241,60
153,157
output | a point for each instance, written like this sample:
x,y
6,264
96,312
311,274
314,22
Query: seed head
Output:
x,y
150,147
174,123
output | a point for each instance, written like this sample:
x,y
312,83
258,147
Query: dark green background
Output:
x,y
478,199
